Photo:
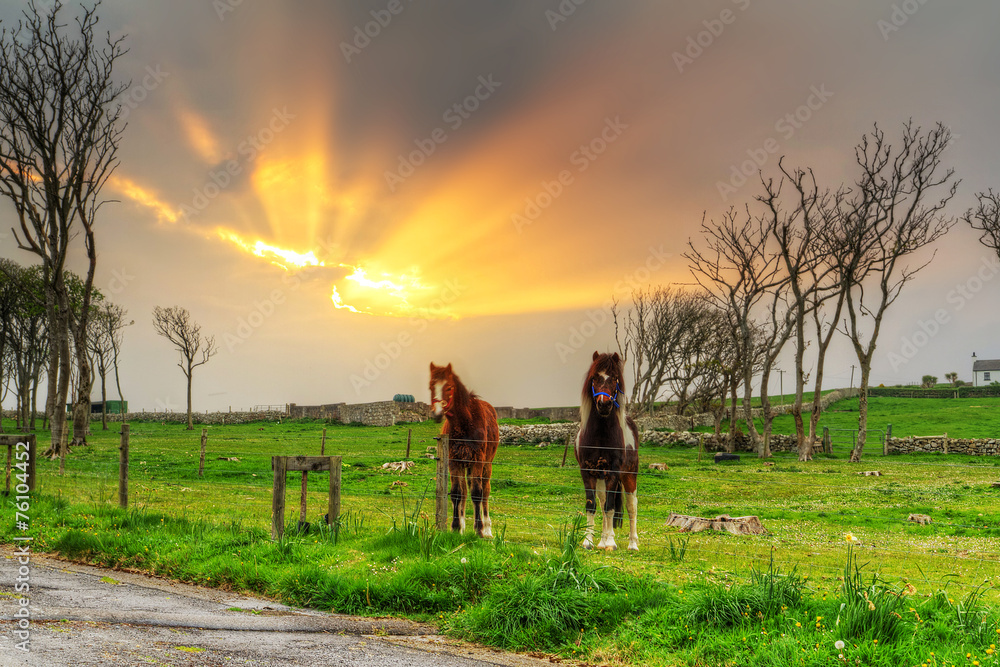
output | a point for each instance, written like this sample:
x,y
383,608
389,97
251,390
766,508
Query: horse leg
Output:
x,y
487,522
589,488
607,500
632,503
633,512
459,490
476,492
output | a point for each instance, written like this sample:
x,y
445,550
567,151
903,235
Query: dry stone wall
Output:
x,y
944,445
381,413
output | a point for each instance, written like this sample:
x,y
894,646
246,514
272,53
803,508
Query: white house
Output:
x,y
985,372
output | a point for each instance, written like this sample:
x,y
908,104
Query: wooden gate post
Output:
x,y
827,443
282,465
201,462
441,490
279,464
123,469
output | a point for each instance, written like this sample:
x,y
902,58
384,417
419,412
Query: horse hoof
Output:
x,y
633,547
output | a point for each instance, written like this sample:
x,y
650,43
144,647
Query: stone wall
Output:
x,y
512,434
382,413
684,422
557,433
552,414
944,445
203,418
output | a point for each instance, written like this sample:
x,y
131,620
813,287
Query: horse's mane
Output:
x,y
610,364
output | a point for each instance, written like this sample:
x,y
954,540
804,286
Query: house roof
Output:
x,y
986,365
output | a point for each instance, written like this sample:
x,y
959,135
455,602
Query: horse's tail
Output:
x,y
617,522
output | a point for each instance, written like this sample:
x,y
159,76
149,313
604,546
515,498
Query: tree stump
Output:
x,y
740,525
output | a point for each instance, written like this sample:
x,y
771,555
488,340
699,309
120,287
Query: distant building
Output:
x,y
985,372
114,407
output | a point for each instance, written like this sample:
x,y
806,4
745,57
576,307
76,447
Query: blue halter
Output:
x,y
614,399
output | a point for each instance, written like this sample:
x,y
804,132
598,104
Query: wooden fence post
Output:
x,y
441,490
566,451
201,462
322,446
827,442
123,469
409,438
302,498
279,463
333,504
946,443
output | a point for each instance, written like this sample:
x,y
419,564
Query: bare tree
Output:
x,y
657,337
175,324
10,297
985,218
104,341
60,126
737,270
26,339
698,365
888,216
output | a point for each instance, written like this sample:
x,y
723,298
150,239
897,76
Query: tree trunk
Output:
x,y
731,440
804,450
862,412
104,402
34,404
190,426
60,360
755,440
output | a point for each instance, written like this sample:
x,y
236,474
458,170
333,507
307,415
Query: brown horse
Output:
x,y
608,453
473,437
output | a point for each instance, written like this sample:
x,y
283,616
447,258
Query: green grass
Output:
x,y
698,599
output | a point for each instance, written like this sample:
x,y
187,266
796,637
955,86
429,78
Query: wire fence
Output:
x,y
806,506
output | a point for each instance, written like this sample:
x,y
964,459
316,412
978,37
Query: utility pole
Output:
x,y
781,384
852,376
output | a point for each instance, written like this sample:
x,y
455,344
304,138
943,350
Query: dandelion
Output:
x,y
839,645
464,561
797,624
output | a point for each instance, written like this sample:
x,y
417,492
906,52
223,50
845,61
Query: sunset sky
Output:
x,y
344,192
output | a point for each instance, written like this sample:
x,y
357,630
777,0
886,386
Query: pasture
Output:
x,y
823,520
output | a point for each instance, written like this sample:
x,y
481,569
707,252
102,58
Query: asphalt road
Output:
x,y
82,615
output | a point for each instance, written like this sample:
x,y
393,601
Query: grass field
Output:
x,y
386,557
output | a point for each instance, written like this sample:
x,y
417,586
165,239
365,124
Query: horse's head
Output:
x,y
442,387
605,383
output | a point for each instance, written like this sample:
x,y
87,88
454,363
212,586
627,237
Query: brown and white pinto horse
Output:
x,y
608,453
473,437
